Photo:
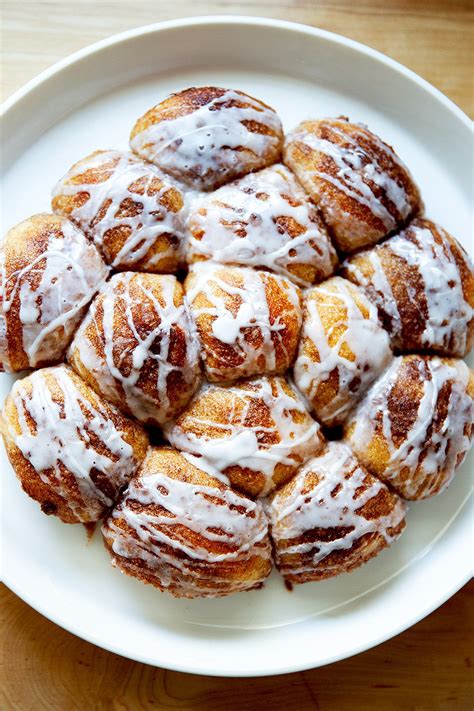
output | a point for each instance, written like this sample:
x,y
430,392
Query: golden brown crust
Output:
x,y
178,555
332,517
56,488
226,303
362,188
414,427
127,207
137,347
49,274
342,349
422,282
262,425
226,113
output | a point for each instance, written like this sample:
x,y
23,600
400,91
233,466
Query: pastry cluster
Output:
x,y
273,311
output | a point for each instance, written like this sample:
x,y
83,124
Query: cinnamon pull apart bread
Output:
x,y
180,528
132,211
206,136
255,432
422,282
248,321
414,426
230,330
71,450
263,220
342,349
137,346
48,274
362,188
332,517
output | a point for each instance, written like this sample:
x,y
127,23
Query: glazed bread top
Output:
x,y
248,321
414,426
206,136
422,282
132,211
49,273
60,433
331,507
188,529
263,220
342,349
362,187
256,432
137,346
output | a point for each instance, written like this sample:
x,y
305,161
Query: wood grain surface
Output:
x,y
432,37
429,667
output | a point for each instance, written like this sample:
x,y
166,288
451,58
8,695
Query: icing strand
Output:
x,y
204,141
127,198
358,355
63,436
245,224
53,290
253,313
342,490
258,447
427,458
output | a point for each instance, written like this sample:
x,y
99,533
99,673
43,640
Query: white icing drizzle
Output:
x,y
63,436
359,165
342,490
119,383
425,462
244,445
253,313
243,224
381,285
53,291
205,466
5,361
449,314
362,335
215,513
129,179
203,143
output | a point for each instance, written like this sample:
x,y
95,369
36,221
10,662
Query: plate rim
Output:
x,y
119,37
243,20
283,668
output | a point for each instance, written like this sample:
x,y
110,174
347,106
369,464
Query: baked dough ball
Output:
x,y
255,432
137,346
183,530
422,282
342,349
131,211
359,183
332,517
263,220
414,426
248,321
71,450
206,136
48,274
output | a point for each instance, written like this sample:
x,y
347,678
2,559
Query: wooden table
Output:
x,y
428,667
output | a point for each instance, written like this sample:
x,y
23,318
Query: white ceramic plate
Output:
x,y
91,101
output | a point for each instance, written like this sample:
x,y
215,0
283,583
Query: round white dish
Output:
x,y
91,100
